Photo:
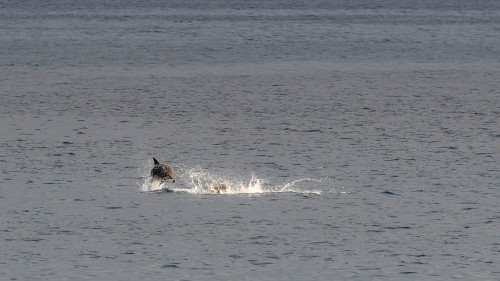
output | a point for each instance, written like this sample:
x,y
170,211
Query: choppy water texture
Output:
x,y
357,141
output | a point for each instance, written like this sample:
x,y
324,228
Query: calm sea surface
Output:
x,y
358,140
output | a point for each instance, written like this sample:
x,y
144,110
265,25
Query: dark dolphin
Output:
x,y
162,172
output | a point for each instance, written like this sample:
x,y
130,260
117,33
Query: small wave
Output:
x,y
198,181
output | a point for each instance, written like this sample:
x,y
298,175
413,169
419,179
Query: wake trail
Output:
x,y
198,181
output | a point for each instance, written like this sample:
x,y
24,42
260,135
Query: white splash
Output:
x,y
202,182
148,185
199,181
309,186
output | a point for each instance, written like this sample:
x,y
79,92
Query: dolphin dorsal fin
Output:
x,y
156,161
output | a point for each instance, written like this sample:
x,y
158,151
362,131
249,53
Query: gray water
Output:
x,y
359,141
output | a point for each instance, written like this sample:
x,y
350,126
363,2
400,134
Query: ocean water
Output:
x,y
358,140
